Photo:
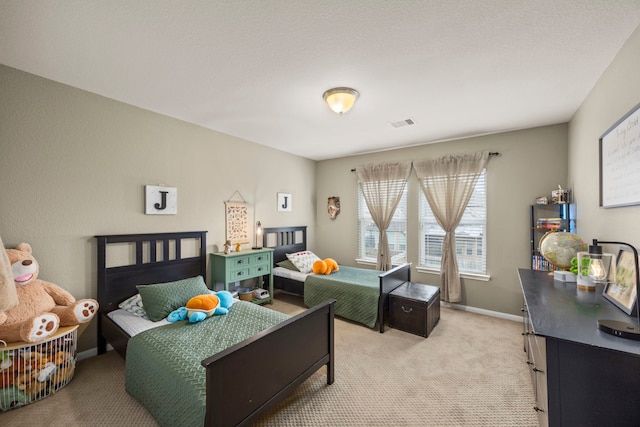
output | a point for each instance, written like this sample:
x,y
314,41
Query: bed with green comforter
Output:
x,y
356,291
163,365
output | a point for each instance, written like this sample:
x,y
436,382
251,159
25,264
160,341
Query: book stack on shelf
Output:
x,y
549,223
539,263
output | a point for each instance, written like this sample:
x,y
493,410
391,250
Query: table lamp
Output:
x,y
259,231
629,330
593,268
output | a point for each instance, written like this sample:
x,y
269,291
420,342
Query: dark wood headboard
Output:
x,y
285,240
156,258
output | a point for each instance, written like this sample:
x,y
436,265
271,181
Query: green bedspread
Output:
x,y
163,369
355,289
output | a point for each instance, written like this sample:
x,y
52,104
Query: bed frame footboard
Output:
x,y
249,379
390,280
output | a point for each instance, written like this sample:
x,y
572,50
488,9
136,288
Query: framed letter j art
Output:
x,y
284,202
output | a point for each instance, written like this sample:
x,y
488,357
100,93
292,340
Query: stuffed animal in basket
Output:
x,y
200,307
325,266
42,306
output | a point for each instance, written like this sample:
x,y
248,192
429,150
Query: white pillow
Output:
x,y
303,260
134,306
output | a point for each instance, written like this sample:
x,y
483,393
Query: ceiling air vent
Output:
x,y
405,122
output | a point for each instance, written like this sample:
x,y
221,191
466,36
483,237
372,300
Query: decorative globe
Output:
x,y
559,248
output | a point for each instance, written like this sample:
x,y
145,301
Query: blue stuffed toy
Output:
x,y
200,307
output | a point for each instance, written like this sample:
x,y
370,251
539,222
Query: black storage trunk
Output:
x,y
414,308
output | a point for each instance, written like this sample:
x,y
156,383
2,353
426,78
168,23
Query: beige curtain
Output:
x,y
382,186
448,184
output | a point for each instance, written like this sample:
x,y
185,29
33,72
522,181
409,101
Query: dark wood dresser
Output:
x,y
581,375
414,308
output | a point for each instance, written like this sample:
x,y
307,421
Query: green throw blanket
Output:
x,y
163,369
356,290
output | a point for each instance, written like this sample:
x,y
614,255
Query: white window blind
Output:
x,y
369,235
471,234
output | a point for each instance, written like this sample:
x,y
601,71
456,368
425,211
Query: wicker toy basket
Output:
x,y
29,372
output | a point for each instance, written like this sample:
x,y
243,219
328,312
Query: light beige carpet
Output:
x,y
471,371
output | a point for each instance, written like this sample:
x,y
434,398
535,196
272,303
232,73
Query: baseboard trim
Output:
x,y
476,310
91,352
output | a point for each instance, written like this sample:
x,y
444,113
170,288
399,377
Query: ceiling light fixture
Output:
x,y
340,99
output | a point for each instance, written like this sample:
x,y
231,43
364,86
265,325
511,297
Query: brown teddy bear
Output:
x,y
42,306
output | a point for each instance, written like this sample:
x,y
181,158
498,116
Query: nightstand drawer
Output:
x,y
414,308
239,262
242,273
259,270
260,259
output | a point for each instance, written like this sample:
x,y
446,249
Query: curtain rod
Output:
x,y
492,153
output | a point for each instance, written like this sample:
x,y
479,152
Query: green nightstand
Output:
x,y
243,265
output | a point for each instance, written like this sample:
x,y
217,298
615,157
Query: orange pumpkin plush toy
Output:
x,y
325,266
42,306
332,265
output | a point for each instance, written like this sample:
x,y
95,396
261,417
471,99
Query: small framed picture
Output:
x,y
161,200
284,202
622,293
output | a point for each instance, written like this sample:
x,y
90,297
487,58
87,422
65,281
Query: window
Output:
x,y
471,234
369,235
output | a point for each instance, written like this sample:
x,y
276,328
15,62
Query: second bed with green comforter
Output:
x,y
356,290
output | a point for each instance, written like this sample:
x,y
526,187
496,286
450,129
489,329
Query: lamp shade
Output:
x,y
340,99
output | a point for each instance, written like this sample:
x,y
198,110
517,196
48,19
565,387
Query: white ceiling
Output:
x,y
257,69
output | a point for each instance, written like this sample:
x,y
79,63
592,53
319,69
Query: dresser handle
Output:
x,y
259,258
535,408
240,261
240,273
537,370
405,310
260,268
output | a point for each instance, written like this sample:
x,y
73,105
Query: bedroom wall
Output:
x,y
615,94
74,164
532,163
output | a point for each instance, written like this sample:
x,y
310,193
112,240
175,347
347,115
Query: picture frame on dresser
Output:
x,y
622,292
